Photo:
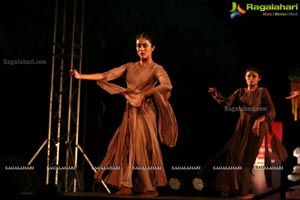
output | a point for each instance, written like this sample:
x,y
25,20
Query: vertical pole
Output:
x,y
51,95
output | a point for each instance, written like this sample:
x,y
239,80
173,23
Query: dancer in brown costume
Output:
x,y
148,119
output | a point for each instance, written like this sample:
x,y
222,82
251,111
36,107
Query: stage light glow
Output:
x,y
198,184
175,183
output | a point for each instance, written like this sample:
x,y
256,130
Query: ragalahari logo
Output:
x,y
236,10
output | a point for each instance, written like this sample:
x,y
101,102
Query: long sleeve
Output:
x,y
227,101
112,75
167,124
164,86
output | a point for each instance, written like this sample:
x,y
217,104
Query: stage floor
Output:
x,y
292,193
106,196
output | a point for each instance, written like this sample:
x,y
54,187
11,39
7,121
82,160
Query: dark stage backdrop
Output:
x,y
198,44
